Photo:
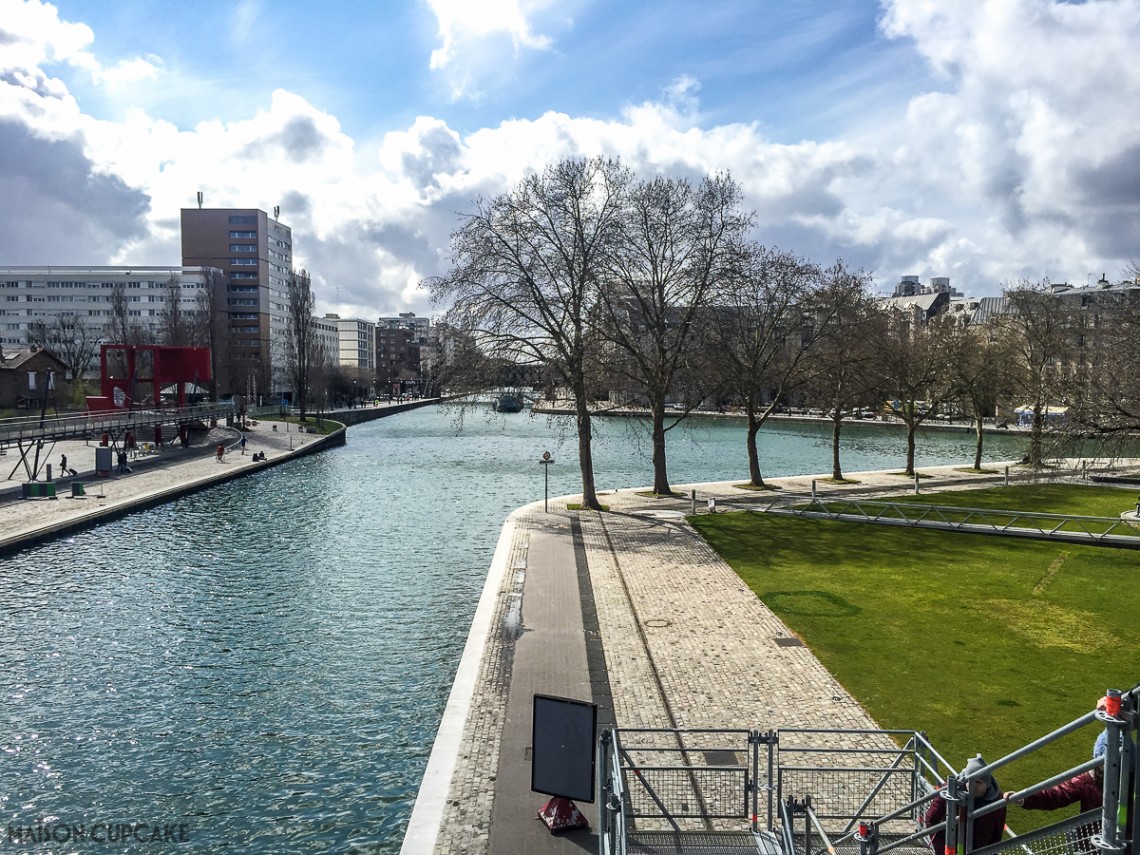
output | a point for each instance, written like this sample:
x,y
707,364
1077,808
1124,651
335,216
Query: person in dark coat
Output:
x,y
1086,788
987,829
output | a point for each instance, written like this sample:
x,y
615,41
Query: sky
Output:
x,y
990,141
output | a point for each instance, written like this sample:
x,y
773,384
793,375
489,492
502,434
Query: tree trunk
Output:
x,y
978,433
756,479
660,475
836,427
586,454
910,429
1036,455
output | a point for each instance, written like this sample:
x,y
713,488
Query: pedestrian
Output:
x,y
221,451
242,443
63,468
123,468
1086,788
987,829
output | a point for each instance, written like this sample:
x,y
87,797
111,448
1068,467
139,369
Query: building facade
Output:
x,y
254,252
107,302
400,342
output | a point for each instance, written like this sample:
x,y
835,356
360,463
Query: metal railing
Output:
x,y
94,424
803,791
1070,528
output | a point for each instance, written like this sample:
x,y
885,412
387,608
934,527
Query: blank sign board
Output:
x,y
563,740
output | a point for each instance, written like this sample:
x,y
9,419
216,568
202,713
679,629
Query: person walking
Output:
x,y
221,450
242,443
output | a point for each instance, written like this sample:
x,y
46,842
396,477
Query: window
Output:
x,y
240,235
243,262
242,220
242,247
240,275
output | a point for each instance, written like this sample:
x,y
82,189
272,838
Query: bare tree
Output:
x,y
980,363
913,357
1104,395
73,339
1039,326
122,329
302,345
842,371
176,327
524,277
212,325
673,243
757,334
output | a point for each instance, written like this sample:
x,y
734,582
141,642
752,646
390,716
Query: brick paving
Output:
x,y
686,645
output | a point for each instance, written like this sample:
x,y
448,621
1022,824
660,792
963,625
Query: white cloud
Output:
x,y
1024,164
1030,124
464,21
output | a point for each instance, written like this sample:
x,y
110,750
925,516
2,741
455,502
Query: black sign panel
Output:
x,y
563,754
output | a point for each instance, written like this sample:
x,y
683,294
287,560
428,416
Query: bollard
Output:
x,y
813,489
1007,476
694,510
916,483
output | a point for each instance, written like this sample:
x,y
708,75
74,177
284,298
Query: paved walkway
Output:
x,y
152,476
679,642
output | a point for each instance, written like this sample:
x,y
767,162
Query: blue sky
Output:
x,y
985,140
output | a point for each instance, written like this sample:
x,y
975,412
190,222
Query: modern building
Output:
x,y
327,337
356,343
255,254
93,295
400,342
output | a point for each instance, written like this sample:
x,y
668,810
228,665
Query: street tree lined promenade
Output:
x,y
592,283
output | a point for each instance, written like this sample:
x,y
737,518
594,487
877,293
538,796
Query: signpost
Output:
x,y
545,463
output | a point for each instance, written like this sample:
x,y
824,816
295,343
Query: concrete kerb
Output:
x,y
431,800
135,497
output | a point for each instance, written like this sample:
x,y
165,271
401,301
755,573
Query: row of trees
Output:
x,y
601,283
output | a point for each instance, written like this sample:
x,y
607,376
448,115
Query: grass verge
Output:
x,y
985,643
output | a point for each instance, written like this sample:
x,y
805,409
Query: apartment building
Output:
x,y
31,295
400,342
255,254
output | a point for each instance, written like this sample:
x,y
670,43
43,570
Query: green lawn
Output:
x,y
984,642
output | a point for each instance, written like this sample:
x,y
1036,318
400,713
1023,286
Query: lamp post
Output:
x,y
545,463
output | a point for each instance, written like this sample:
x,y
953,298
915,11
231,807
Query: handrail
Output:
x,y
1111,531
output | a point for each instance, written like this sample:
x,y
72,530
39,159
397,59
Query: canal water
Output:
x,y
261,667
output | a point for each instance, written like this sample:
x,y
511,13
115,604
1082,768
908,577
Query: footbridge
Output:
x,y
823,792
32,439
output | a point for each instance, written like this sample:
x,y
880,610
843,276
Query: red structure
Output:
x,y
135,375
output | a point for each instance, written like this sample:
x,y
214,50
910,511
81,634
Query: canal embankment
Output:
x,y
156,474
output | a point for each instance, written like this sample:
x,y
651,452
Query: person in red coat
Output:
x,y
987,829
1086,788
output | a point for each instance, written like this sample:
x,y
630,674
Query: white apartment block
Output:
x,y
34,294
357,342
